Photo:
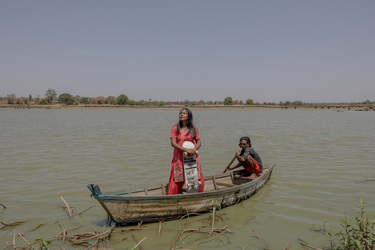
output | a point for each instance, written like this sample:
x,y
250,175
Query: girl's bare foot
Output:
x,y
252,176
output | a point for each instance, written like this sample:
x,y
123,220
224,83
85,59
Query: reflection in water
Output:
x,y
323,159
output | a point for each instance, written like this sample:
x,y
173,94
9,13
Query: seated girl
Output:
x,y
249,159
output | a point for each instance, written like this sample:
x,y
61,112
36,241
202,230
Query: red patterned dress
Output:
x,y
176,179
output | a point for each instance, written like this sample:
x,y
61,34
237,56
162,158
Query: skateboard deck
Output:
x,y
190,170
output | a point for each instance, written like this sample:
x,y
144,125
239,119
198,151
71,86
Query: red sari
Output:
x,y
177,179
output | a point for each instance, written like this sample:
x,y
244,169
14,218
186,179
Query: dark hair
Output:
x,y
247,139
189,124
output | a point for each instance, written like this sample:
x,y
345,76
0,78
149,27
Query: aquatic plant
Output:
x,y
203,233
360,235
355,233
43,243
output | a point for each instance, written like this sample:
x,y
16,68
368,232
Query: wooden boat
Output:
x,y
153,204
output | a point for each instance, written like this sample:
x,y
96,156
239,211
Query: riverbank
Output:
x,y
343,107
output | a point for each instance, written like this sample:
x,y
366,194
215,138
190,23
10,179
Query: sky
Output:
x,y
169,50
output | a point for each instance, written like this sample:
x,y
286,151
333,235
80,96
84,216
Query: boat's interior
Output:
x,y
211,183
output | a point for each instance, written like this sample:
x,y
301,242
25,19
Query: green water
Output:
x,y
324,165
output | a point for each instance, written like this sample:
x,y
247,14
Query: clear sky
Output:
x,y
170,50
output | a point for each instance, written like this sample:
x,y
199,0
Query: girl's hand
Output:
x,y
191,152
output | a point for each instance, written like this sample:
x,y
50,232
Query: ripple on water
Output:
x,y
323,161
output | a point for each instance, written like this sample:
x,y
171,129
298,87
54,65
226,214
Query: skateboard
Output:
x,y
190,170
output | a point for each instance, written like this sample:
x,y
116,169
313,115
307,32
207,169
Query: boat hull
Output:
x,y
144,206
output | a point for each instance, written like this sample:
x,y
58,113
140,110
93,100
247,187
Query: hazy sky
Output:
x,y
268,51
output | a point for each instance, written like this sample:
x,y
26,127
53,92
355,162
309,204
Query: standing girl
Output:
x,y
183,131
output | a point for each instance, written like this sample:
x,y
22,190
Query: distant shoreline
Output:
x,y
341,107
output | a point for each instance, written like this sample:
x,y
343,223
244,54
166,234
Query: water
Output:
x,y
324,166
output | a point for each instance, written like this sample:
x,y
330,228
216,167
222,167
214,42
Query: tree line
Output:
x,y
51,97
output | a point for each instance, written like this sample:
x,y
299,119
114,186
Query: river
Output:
x,y
324,160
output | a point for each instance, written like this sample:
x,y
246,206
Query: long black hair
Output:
x,y
189,124
247,139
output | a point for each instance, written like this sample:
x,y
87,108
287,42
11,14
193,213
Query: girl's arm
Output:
x,y
197,144
236,166
239,158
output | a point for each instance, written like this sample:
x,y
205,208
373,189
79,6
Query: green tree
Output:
x,y
66,98
111,100
50,95
367,102
43,101
228,101
122,99
77,99
84,100
249,102
131,102
297,103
